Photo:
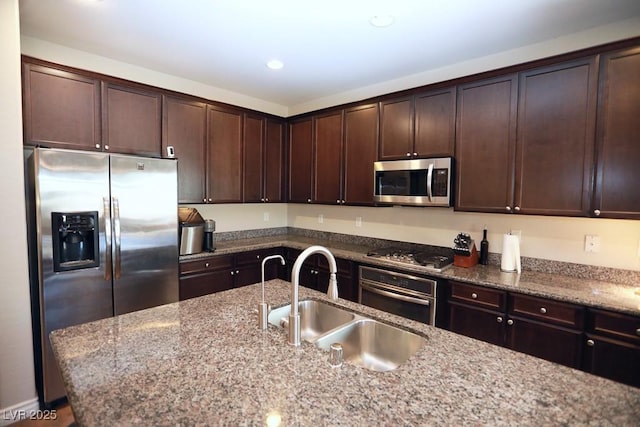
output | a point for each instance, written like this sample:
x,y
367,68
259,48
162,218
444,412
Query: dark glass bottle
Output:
x,y
484,248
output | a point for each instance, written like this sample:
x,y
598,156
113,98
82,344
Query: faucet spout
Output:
x,y
263,307
332,292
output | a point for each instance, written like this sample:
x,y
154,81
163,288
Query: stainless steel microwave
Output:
x,y
420,182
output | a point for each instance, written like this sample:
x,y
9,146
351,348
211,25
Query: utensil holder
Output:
x,y
467,261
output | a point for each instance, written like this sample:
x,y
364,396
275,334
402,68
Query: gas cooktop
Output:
x,y
424,258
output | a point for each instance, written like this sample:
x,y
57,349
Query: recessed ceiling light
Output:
x,y
275,64
381,20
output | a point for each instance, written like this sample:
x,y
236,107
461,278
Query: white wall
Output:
x,y
249,216
554,238
17,384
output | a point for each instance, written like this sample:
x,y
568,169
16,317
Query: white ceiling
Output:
x,y
328,46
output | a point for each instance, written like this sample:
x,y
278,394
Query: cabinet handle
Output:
x,y
232,272
204,200
408,154
210,199
338,201
543,310
474,295
97,145
415,154
237,271
591,343
344,201
517,209
509,322
596,212
266,199
206,265
638,332
508,208
262,200
308,200
106,147
499,319
257,256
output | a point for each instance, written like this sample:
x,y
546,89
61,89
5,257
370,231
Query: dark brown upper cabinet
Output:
x,y
184,127
396,129
419,126
224,158
131,120
618,140
61,109
360,152
435,123
263,153
300,160
555,142
327,143
485,144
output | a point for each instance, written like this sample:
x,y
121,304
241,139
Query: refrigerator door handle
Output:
x,y
107,237
116,235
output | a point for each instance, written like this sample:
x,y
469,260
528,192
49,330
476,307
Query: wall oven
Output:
x,y
398,293
420,182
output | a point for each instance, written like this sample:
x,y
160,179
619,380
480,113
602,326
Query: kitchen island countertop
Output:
x,y
204,361
607,295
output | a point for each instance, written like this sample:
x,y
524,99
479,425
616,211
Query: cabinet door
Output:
x,y
131,120
435,123
618,155
485,145
360,152
613,359
300,161
61,109
328,158
556,132
184,127
559,345
478,323
396,129
224,184
202,284
274,162
253,158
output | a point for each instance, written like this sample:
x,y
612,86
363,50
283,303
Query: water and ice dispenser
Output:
x,y
75,240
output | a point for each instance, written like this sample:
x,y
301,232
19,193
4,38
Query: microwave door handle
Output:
x,y
106,211
393,295
429,179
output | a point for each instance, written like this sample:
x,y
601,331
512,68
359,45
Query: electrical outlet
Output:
x,y
320,218
265,216
638,248
591,243
358,221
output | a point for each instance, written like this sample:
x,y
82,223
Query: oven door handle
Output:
x,y
394,295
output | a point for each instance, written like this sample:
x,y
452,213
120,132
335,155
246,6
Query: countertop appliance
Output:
x,y
419,182
103,241
209,237
429,259
192,228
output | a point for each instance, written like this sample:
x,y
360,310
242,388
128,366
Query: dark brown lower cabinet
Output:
x,y
553,343
248,266
540,327
206,276
612,346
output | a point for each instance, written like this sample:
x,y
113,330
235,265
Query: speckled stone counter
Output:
x,y
608,295
205,362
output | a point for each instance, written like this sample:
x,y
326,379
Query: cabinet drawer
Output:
x,y
546,310
615,325
477,295
344,266
206,264
255,257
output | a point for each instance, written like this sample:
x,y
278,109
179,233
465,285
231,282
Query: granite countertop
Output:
x,y
204,361
594,293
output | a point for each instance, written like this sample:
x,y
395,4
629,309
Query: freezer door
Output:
x,y
144,205
67,181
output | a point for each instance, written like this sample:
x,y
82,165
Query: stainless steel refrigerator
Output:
x,y
103,241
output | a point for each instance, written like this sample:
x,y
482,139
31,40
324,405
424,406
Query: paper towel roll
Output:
x,y
510,253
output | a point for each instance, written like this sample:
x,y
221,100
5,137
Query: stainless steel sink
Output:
x,y
316,318
373,345
365,342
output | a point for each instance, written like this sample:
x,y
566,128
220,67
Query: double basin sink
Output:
x,y
365,342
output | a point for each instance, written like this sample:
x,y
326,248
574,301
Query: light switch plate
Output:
x,y
265,216
358,221
320,218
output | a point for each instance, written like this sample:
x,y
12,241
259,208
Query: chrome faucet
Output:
x,y
263,307
332,292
